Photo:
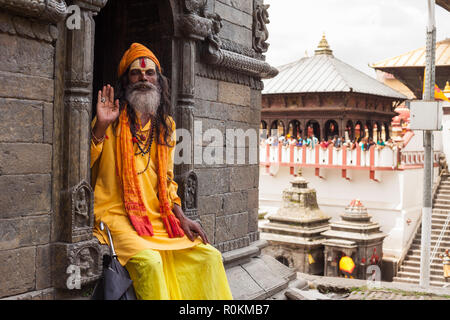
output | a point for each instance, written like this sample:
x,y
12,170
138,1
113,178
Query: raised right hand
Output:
x,y
108,109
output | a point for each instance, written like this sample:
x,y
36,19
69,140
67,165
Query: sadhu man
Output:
x,y
166,254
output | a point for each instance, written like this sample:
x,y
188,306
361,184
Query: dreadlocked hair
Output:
x,y
162,122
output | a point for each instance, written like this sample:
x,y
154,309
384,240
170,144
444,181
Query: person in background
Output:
x,y
446,266
314,141
299,141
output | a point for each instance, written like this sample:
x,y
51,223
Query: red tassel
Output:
x,y
166,223
142,225
175,225
172,226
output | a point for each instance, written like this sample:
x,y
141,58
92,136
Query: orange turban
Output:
x,y
135,51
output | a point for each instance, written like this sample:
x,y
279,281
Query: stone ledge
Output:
x,y
240,256
44,294
261,278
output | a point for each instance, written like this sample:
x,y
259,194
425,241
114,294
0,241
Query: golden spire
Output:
x,y
323,47
447,88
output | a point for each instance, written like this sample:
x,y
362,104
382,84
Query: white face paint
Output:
x,y
142,65
144,96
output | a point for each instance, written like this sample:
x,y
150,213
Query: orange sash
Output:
x,y
132,194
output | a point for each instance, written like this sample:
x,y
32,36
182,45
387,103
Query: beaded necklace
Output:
x,y
146,143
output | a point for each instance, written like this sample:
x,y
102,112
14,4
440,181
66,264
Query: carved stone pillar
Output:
x,y
184,173
77,255
191,28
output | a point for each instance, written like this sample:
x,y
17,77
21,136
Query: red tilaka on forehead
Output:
x,y
143,63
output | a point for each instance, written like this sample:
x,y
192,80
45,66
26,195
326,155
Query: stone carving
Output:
x,y
233,46
189,194
82,203
217,73
79,103
194,26
87,258
216,24
260,33
233,244
50,10
253,236
194,6
81,206
81,262
199,24
191,190
92,5
239,63
213,53
86,263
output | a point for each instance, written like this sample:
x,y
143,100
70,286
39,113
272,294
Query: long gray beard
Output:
x,y
145,102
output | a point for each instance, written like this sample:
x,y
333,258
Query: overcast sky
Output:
x,y
358,31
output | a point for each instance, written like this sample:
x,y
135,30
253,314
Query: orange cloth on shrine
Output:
x,y
109,205
135,51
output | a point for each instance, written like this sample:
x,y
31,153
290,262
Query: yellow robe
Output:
x,y
108,200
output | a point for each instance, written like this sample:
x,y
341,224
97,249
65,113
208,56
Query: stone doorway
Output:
x,y
118,25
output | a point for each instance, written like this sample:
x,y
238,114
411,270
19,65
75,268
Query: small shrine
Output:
x,y
355,237
294,231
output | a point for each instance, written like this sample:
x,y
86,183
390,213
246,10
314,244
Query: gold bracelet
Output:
x,y
97,140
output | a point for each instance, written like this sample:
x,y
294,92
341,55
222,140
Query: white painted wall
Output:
x,y
416,142
446,133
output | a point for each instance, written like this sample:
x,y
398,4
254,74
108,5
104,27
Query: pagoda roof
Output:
x,y
444,4
325,73
409,67
416,58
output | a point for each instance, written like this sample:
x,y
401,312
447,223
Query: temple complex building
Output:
x,y
386,177
324,96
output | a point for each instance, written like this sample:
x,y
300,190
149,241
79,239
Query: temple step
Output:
x,y
415,265
416,275
442,201
440,211
416,281
443,244
438,272
409,271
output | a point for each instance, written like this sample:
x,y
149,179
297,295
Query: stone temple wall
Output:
x,y
46,76
27,51
225,99
228,194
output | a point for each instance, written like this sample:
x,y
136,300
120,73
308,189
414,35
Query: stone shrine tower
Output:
x,y
294,232
355,236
